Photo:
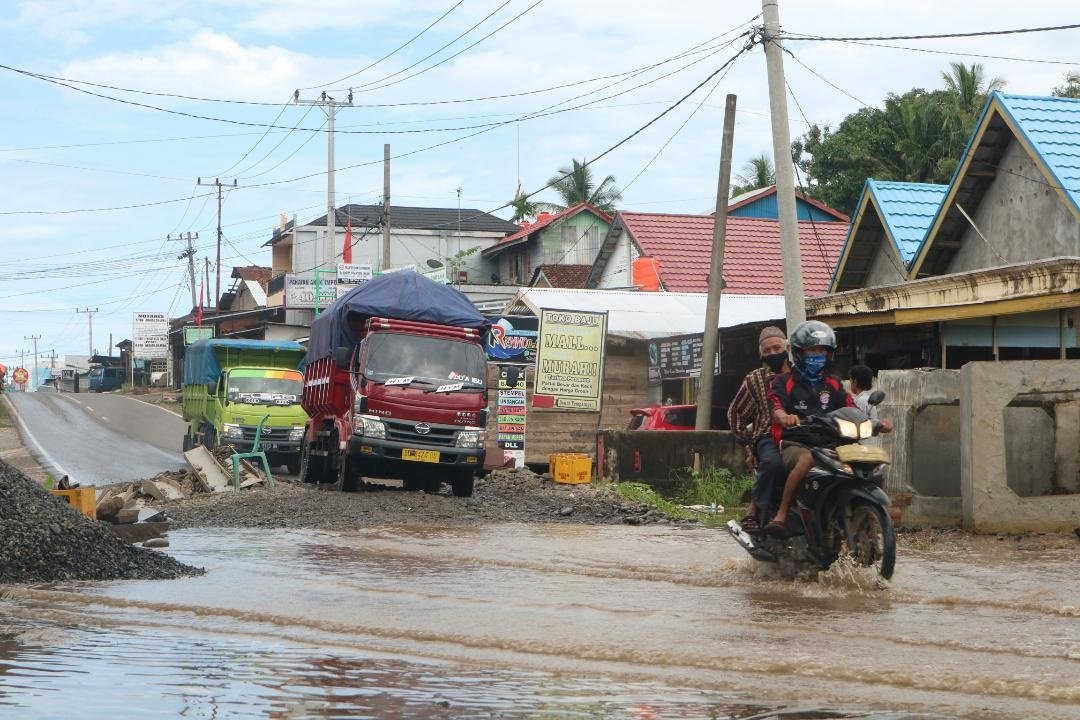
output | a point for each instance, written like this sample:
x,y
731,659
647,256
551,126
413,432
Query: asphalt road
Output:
x,y
98,439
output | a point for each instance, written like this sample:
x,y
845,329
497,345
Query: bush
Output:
x,y
717,486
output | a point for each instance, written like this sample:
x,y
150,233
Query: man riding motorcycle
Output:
x,y
804,391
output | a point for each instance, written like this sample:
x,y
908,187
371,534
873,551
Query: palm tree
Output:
x,y
757,173
523,207
576,185
967,87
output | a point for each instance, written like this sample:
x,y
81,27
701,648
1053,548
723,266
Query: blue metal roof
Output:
x,y
1051,125
907,209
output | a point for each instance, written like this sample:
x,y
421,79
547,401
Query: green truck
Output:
x,y
230,385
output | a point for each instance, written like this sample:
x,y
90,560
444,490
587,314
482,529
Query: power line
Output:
x,y
940,36
825,80
392,52
957,53
99,209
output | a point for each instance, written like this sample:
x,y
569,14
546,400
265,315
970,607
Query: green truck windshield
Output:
x,y
433,360
265,387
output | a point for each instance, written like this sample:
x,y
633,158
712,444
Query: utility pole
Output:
x,y
711,341
188,255
217,184
33,373
329,106
794,299
386,206
90,319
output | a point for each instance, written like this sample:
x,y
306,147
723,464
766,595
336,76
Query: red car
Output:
x,y
673,417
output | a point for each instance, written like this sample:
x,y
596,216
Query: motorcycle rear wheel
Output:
x,y
872,539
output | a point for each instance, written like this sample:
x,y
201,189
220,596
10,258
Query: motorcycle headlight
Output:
x,y
297,433
368,426
470,439
866,429
847,429
232,431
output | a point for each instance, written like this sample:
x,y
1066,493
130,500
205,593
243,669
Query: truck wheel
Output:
x,y
348,474
210,439
311,467
461,482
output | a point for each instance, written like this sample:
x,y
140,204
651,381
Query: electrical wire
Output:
x,y
957,53
272,150
939,36
393,52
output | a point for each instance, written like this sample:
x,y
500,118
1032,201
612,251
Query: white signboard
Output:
x,y
300,290
353,274
150,335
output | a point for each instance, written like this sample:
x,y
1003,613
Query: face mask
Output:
x,y
812,366
775,362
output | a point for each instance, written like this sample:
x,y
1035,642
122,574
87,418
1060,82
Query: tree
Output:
x,y
575,184
523,207
918,136
1071,88
757,173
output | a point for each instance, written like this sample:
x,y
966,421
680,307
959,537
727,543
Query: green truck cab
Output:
x,y
231,385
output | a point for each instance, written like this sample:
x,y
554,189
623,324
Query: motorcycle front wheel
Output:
x,y
872,539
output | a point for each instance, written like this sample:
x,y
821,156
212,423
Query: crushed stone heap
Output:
x,y
43,539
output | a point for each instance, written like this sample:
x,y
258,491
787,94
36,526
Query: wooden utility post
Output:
x,y
710,345
386,208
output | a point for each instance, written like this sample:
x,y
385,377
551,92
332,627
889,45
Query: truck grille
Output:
x,y
268,433
405,432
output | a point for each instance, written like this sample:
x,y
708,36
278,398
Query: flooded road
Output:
x,y
549,621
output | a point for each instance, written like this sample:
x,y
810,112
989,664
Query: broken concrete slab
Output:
x,y
127,515
162,490
210,473
139,532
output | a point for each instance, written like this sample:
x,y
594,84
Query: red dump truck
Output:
x,y
395,387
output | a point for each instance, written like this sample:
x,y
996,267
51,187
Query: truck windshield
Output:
x,y
433,361
265,387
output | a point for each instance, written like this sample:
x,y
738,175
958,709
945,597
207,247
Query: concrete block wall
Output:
x,y
994,439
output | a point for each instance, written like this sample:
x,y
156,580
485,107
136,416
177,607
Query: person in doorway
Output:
x,y
806,390
749,420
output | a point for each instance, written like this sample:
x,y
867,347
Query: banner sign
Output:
x,y
512,339
300,290
150,335
677,358
510,418
349,275
195,333
570,360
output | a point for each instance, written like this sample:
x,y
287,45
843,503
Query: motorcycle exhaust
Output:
x,y
741,537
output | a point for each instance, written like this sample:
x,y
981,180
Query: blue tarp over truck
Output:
x,y
402,295
204,360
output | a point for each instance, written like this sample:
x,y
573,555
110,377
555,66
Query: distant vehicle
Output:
x,y
104,379
674,417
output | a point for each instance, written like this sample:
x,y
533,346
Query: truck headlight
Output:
x,y
368,426
297,433
470,439
232,431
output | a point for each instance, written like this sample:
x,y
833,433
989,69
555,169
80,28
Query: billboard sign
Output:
x,y
512,339
570,360
195,333
510,412
677,358
300,290
150,335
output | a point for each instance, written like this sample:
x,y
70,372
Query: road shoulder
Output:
x,y
12,449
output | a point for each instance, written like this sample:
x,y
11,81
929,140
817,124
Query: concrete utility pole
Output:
x,y
218,185
90,320
794,298
33,373
329,106
386,206
188,255
711,341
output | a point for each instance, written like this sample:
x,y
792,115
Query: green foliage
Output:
x,y
757,173
1071,88
916,137
5,420
576,184
713,486
642,493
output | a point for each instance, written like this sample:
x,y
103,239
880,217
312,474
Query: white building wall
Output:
x,y
618,273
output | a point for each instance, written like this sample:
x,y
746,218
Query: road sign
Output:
x,y
21,376
150,336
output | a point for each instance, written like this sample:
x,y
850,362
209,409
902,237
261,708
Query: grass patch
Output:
x,y
5,419
711,486
642,493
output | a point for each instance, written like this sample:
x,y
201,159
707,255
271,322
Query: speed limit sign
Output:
x,y
21,376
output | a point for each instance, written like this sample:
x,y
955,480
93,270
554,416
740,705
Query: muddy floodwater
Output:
x,y
552,621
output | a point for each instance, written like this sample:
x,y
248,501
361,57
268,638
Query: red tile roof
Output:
x,y
563,276
542,221
752,264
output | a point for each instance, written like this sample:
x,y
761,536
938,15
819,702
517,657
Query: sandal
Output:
x,y
776,529
750,524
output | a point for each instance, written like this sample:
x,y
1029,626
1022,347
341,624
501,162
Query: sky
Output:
x,y
93,187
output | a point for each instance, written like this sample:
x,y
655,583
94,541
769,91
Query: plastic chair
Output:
x,y
254,453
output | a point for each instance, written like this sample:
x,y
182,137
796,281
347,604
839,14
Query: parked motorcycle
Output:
x,y
841,507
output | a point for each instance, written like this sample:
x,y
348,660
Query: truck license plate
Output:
x,y
267,445
431,456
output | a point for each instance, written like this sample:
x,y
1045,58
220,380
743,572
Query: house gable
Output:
x,y
1024,157
762,203
571,237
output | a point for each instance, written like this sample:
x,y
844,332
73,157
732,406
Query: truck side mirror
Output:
x,y
211,388
876,397
342,356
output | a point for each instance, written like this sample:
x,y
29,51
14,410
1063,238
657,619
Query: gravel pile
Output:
x,y
504,496
43,539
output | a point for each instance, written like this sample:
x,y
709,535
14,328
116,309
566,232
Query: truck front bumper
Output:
x,y
276,447
389,452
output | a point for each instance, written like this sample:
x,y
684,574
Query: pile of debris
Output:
x,y
43,539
